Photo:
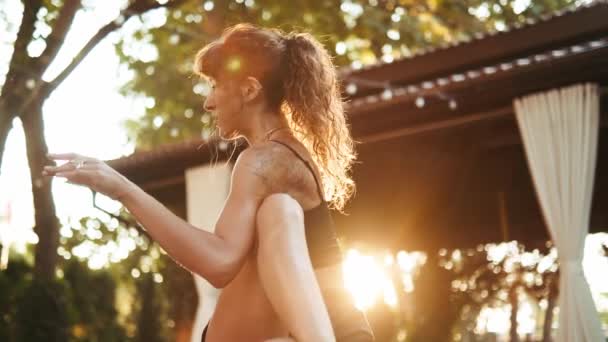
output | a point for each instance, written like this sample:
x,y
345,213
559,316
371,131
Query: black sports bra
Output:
x,y
319,227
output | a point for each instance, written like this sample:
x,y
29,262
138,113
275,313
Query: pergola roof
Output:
x,y
453,167
552,31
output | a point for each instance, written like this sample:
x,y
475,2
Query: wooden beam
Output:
x,y
507,138
163,183
439,125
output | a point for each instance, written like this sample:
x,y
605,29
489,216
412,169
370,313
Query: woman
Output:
x,y
280,93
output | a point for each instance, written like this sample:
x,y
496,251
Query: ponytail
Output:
x,y
314,108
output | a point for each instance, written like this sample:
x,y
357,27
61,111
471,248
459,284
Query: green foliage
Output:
x,y
492,274
76,306
81,303
42,312
93,297
13,281
358,31
144,290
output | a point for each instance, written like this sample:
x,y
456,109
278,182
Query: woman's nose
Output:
x,y
208,106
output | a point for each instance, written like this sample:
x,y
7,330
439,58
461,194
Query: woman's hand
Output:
x,y
90,172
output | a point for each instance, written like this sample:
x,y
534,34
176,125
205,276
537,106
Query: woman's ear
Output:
x,y
251,88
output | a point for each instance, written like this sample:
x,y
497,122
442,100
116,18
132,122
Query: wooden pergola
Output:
x,y
441,162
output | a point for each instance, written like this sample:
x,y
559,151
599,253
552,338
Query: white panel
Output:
x,y
206,191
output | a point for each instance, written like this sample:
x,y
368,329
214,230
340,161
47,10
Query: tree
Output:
x,y
24,92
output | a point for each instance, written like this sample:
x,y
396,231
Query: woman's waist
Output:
x,y
250,313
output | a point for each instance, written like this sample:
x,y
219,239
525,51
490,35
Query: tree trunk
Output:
x,y
46,223
183,299
551,299
513,298
150,311
18,71
6,123
434,315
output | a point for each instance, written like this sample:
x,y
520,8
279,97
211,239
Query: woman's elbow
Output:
x,y
225,272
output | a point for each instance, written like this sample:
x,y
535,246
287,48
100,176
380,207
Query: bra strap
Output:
x,y
307,165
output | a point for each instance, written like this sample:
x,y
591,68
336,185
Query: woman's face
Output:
x,y
225,104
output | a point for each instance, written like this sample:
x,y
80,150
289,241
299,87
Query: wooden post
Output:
x,y
504,219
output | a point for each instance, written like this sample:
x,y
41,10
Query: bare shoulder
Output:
x,y
281,171
267,162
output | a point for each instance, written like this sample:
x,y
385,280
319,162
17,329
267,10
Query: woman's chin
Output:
x,y
221,132
228,134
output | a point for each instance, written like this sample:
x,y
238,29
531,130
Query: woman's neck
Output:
x,y
265,127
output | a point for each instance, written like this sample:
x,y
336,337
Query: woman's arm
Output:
x,y
217,256
286,272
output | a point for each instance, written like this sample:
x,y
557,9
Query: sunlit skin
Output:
x,y
258,253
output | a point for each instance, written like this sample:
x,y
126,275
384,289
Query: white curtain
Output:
x,y
560,133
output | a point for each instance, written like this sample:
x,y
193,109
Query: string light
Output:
x,y
420,102
351,88
387,94
453,104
